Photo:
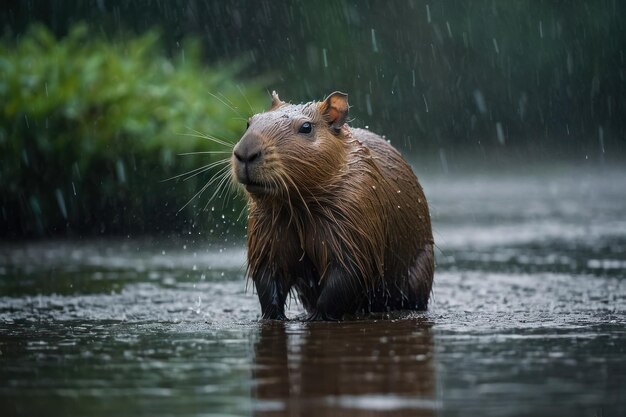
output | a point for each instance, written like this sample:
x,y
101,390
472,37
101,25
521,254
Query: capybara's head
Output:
x,y
292,149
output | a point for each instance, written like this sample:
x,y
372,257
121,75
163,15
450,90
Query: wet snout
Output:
x,y
247,157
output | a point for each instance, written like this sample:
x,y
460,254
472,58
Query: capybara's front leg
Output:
x,y
340,295
272,296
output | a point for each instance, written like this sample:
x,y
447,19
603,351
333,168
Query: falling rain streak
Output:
x,y
500,133
479,99
495,45
120,170
374,44
61,202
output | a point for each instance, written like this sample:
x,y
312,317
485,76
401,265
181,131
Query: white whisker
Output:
x,y
204,152
205,186
226,104
245,98
208,167
198,134
228,190
201,169
241,212
224,177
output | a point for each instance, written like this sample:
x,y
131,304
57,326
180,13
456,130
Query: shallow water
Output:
x,y
528,317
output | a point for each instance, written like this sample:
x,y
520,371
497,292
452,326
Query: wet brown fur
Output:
x,y
342,221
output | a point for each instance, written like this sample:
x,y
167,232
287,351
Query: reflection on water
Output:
x,y
528,317
361,368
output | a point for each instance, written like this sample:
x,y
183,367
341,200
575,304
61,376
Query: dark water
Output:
x,y
528,318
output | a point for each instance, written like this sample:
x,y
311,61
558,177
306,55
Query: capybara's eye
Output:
x,y
305,128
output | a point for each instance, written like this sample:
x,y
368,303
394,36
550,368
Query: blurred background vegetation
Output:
x,y
95,95
90,129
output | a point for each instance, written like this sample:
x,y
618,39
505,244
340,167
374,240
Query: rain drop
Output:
x,y
443,160
120,171
480,101
374,44
500,133
61,202
495,46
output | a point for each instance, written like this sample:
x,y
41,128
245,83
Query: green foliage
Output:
x,y
90,128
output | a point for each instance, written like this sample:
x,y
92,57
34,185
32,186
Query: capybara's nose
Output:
x,y
248,150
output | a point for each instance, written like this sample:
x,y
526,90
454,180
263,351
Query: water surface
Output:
x,y
528,317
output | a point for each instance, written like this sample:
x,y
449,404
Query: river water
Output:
x,y
528,317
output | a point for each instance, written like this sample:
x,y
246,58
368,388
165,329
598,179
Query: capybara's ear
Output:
x,y
335,110
276,101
